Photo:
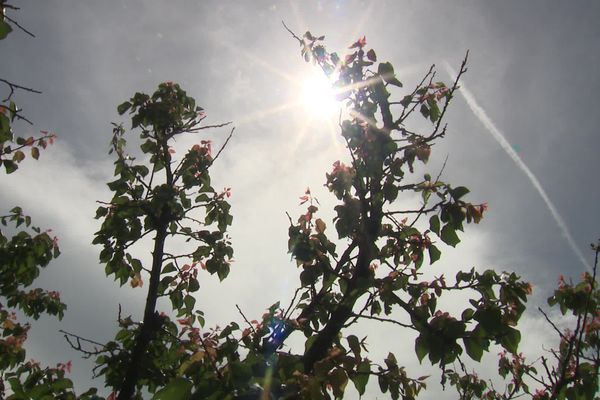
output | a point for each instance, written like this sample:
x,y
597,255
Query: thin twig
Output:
x,y
13,86
451,93
405,113
222,147
289,308
16,114
18,25
245,319
293,34
552,324
201,128
76,344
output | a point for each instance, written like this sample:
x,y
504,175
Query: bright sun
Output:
x,y
318,97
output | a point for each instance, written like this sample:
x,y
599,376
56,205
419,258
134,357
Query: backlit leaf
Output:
x,y
449,236
176,389
5,29
434,254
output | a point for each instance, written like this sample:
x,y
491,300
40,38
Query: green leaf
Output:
x,y
458,192
35,153
510,340
339,380
123,107
448,235
176,389
434,112
383,383
354,345
5,29
10,166
149,146
101,212
223,271
424,110
5,133
474,348
42,391
189,302
62,384
361,377
434,254
170,267
406,100
421,348
386,70
434,224
12,108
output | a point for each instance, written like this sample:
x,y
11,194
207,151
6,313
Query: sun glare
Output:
x,y
318,97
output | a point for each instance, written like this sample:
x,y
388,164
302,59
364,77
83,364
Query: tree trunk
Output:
x,y
151,321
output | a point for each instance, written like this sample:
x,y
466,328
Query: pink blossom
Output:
x,y
54,295
65,367
339,167
207,145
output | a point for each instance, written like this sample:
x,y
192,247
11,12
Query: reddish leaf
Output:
x,y
18,156
320,225
136,281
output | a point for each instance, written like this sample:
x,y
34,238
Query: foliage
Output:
x,y
369,263
370,267
22,255
571,372
12,148
140,207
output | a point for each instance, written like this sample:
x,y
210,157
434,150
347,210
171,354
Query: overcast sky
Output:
x,y
524,138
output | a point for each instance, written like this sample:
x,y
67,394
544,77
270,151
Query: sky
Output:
x,y
522,136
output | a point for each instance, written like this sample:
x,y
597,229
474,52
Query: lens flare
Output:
x,y
318,97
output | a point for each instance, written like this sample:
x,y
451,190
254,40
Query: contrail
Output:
x,y
501,139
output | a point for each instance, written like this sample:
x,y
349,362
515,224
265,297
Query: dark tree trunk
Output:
x,y
151,322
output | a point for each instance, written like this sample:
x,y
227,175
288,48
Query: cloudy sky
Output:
x,y
523,137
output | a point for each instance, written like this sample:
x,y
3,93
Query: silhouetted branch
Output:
x,y
16,23
16,114
462,70
75,341
245,319
293,34
224,144
13,86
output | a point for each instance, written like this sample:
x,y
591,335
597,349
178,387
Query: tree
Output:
x,y
571,372
138,208
368,264
337,287
24,250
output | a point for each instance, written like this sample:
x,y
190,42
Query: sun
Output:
x,y
318,97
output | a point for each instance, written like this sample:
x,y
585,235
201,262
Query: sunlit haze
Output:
x,y
532,73
318,97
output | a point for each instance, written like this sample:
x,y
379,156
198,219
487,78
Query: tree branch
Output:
x,y
14,86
